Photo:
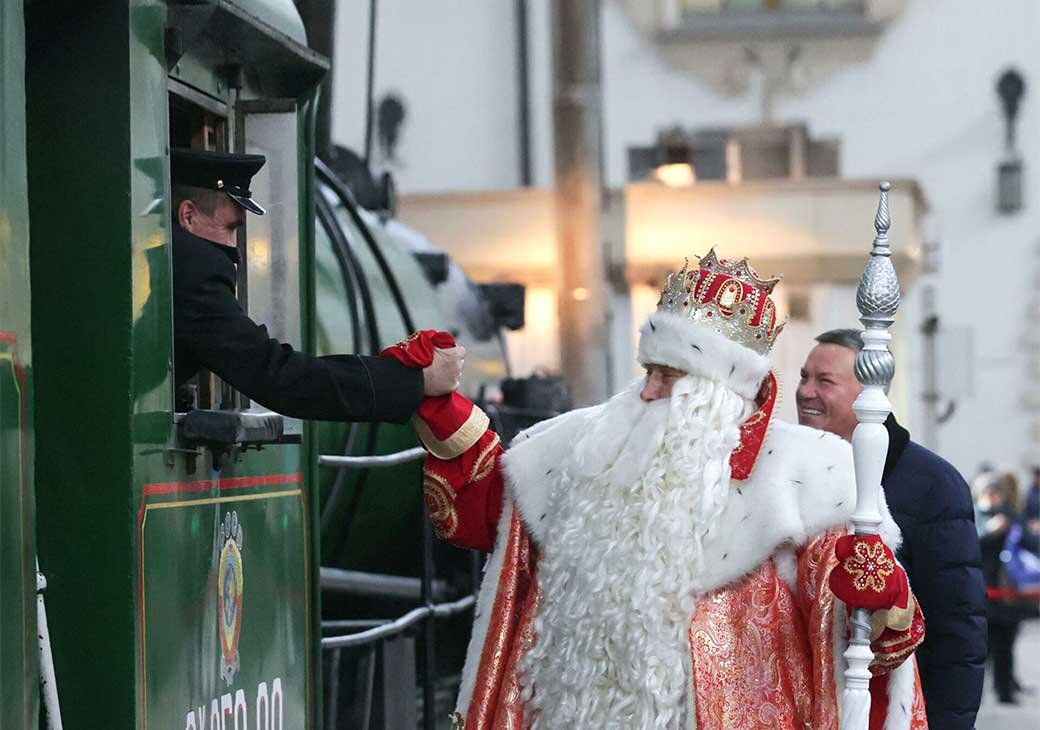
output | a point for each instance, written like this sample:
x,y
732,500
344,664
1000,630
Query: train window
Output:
x,y
271,277
268,278
196,121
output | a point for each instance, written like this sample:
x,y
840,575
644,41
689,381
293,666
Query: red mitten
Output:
x,y
867,575
416,350
447,424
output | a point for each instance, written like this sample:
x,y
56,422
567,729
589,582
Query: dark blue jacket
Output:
x,y
931,503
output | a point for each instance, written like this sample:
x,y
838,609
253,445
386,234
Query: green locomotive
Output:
x,y
182,556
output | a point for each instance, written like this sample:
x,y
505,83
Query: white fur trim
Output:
x,y
901,689
673,340
802,484
785,560
533,458
484,609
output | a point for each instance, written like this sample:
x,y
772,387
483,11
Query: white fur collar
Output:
x,y
802,484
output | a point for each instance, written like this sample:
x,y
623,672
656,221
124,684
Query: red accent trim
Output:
x,y
753,430
204,485
12,338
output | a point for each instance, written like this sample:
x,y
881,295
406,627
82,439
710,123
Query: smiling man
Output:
x,y
828,385
932,505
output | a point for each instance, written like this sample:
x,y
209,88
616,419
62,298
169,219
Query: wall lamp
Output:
x,y
1011,87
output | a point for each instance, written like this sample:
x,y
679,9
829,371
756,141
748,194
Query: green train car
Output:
x,y
182,573
19,683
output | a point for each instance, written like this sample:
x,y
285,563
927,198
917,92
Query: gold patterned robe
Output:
x,y
765,642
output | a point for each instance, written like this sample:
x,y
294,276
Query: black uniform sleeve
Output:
x,y
946,573
210,326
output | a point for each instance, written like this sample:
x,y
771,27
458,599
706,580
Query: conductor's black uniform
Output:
x,y
210,329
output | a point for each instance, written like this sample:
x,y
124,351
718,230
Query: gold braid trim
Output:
x,y
897,619
465,436
484,465
890,661
440,504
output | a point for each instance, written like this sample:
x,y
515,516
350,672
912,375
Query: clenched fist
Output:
x,y
443,374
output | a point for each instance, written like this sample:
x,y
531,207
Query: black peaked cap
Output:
x,y
224,172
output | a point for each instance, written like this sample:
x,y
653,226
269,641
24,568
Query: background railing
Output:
x,y
369,665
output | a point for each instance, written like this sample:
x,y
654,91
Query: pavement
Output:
x,y
1026,715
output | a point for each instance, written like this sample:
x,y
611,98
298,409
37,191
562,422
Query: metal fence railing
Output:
x,y
361,655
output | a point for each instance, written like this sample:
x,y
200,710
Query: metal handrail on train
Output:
x,y
427,586
385,631
359,583
372,462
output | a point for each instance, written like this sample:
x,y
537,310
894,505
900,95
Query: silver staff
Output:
x,y
877,299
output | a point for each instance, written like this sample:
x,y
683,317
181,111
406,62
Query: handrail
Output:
x,y
361,623
358,583
440,610
48,682
372,462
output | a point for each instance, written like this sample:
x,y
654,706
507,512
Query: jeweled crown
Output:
x,y
727,296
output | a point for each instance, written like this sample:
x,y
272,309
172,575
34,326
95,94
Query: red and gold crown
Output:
x,y
727,296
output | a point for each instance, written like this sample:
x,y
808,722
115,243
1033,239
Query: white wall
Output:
x,y
453,62
922,106
925,106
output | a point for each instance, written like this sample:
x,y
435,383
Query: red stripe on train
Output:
x,y
205,485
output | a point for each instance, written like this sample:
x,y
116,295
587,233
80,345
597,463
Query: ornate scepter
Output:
x,y
877,299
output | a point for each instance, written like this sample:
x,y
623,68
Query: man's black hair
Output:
x,y
849,339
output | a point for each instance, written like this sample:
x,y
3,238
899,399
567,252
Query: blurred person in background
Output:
x,y
932,505
983,476
1031,512
996,515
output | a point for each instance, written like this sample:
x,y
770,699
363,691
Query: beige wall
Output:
x,y
817,234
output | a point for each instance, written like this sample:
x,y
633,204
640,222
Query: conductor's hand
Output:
x,y
442,376
438,356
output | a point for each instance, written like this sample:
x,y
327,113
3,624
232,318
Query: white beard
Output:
x,y
621,559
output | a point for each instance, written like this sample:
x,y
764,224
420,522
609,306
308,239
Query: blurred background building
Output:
x,y
760,127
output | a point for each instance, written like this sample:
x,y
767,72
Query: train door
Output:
x,y
225,565
227,570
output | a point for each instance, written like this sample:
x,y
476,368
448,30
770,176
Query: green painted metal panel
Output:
x,y
309,452
132,532
18,646
83,335
224,598
375,521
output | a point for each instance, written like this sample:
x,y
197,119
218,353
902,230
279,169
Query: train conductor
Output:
x,y
210,199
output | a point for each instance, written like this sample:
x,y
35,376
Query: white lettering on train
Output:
x,y
269,711
262,715
240,710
